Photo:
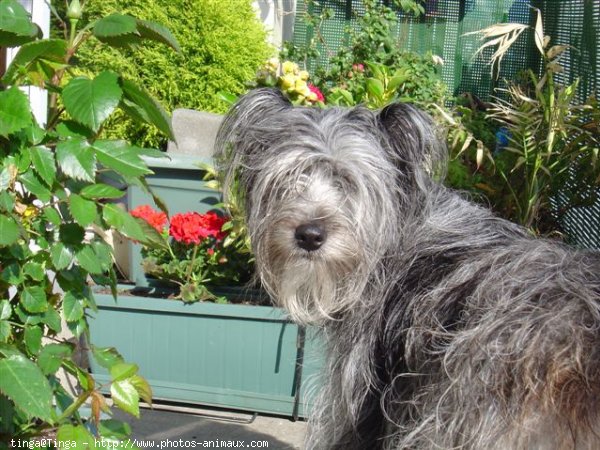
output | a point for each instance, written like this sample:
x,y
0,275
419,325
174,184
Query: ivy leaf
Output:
x,y
15,113
43,163
24,383
77,159
82,210
126,397
146,107
90,102
100,190
121,157
16,27
9,230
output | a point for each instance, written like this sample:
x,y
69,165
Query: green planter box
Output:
x,y
232,356
178,183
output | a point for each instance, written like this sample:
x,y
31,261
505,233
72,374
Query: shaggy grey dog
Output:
x,y
447,327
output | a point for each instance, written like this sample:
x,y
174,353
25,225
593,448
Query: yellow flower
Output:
x,y
301,86
287,81
289,67
312,97
273,63
303,75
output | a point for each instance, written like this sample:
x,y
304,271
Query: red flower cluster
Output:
x,y
193,227
157,219
317,91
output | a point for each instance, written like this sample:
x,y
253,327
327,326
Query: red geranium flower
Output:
x,y
317,91
157,219
193,227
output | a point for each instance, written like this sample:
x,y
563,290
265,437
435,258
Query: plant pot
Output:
x,y
178,183
226,355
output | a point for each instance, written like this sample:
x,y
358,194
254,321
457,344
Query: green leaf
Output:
x,y
12,274
90,102
5,332
158,33
76,437
60,256
50,50
34,300
72,307
375,88
142,387
52,319
15,113
35,271
122,371
82,210
98,191
25,384
114,25
146,108
114,429
15,24
5,310
126,397
87,259
9,230
35,185
51,357
52,215
33,339
71,233
123,222
104,254
43,163
77,159
121,157
106,356
70,129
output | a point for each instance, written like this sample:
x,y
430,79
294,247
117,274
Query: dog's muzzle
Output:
x,y
310,236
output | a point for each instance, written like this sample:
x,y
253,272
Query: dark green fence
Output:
x,y
442,30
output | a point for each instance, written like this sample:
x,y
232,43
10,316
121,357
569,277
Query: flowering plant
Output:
x,y
292,81
195,254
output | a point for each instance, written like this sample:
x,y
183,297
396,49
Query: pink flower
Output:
x,y
315,90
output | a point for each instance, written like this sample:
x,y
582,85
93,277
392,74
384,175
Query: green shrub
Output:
x,y
222,42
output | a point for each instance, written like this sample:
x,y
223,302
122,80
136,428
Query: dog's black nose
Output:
x,y
310,236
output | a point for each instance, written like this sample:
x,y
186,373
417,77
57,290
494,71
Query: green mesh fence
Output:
x,y
442,30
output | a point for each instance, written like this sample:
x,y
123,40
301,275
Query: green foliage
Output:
x,y
553,142
222,45
53,220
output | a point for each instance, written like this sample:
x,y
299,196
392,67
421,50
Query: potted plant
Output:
x,y
55,213
196,333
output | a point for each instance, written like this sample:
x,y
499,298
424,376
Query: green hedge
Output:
x,y
223,43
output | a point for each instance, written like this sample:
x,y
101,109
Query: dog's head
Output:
x,y
324,193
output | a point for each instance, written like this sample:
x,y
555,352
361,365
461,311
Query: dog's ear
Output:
x,y
414,141
241,135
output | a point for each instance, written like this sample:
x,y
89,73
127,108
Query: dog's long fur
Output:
x,y
447,327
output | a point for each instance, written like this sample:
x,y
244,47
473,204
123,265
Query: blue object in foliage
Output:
x,y
502,139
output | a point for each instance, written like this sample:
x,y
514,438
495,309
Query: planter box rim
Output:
x,y
174,161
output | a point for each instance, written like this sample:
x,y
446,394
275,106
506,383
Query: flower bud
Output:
x,y
74,11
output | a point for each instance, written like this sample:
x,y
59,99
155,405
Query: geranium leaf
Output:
x,y
90,102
